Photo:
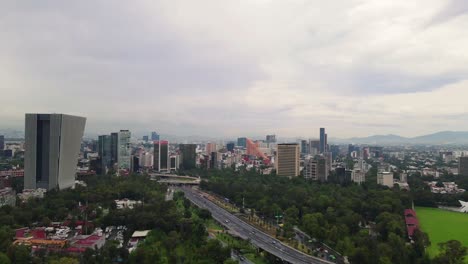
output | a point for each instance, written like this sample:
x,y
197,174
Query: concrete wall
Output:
x,y
72,129
30,153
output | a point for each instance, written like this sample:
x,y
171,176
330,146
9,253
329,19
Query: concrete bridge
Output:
x,y
173,179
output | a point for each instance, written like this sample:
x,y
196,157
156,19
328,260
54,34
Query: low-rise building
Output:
x,y
32,193
411,221
358,176
136,238
127,203
385,178
447,188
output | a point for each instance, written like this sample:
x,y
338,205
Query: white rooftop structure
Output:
x,y
464,207
126,203
143,233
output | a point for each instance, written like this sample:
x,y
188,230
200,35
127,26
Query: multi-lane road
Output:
x,y
247,231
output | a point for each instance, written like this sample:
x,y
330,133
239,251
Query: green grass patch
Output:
x,y
233,242
255,258
442,226
213,225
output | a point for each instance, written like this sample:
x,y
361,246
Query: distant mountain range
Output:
x,y
439,138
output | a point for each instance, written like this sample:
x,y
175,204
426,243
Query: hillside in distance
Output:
x,y
439,138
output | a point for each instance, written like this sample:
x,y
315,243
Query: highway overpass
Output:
x,y
173,179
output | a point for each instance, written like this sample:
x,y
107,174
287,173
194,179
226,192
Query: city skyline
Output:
x,y
357,68
246,131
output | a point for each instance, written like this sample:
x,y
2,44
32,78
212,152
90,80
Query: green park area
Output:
x,y
442,225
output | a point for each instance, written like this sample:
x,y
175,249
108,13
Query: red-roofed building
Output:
x,y
412,223
37,233
21,232
81,243
13,173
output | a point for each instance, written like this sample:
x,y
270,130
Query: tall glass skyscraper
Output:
x,y
124,150
322,140
161,155
104,151
242,142
188,154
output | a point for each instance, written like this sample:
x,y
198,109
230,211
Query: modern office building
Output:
x,y
358,176
342,175
335,151
463,166
52,146
311,169
230,146
214,160
323,169
210,147
104,151
316,168
188,153
287,160
145,138
146,160
174,162
242,142
271,139
154,136
322,140
325,146
161,155
114,148
135,164
124,150
305,147
314,147
385,178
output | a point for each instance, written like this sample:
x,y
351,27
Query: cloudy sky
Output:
x,y
243,67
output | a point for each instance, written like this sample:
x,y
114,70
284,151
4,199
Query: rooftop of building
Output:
x,y
140,234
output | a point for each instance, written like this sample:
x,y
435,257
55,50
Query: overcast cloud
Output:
x,y
244,67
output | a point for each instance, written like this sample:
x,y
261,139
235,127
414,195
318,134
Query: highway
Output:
x,y
246,231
